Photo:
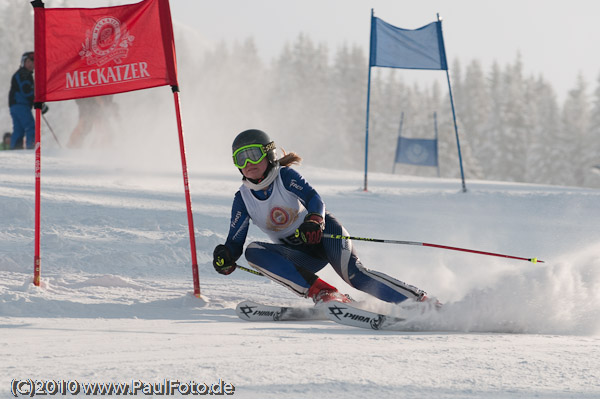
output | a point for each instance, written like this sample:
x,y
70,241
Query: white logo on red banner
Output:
x,y
108,41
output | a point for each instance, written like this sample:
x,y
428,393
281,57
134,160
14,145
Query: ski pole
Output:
x,y
246,269
51,131
424,244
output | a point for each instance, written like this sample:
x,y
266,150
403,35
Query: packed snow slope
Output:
x,y
116,301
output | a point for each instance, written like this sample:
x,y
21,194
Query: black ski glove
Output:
x,y
222,260
311,231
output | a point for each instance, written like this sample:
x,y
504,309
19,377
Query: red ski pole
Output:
x,y
424,244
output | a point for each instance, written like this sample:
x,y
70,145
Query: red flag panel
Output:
x,y
84,52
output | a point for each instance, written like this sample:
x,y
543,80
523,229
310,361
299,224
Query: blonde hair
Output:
x,y
289,159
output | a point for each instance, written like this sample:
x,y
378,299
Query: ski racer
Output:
x,y
284,205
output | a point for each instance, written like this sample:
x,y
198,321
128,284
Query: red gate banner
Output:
x,y
84,52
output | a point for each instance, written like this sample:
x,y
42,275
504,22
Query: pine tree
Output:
x,y
593,143
516,134
491,132
349,100
300,97
541,157
381,122
474,111
575,124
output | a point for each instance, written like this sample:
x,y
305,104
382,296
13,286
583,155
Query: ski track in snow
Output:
x,y
116,301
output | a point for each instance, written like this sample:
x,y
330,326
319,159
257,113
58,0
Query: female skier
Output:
x,y
283,205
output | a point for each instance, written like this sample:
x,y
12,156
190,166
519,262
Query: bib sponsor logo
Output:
x,y
279,216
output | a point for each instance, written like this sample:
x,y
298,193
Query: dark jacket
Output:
x,y
21,88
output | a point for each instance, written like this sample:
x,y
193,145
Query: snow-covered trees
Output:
x,y
313,99
511,125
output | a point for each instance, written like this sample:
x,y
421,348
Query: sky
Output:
x,y
556,39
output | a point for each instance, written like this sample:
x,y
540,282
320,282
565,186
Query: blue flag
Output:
x,y
394,47
422,152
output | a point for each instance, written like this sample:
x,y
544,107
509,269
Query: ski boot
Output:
x,y
432,302
321,292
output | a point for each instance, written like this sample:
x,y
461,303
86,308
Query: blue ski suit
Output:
x,y
20,102
288,260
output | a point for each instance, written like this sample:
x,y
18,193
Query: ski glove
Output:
x,y
222,260
45,108
311,231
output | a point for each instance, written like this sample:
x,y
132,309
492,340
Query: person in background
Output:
x,y
95,114
5,141
278,200
20,102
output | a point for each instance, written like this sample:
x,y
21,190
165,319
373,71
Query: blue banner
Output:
x,y
423,152
394,47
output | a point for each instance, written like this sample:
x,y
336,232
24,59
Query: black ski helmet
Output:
x,y
255,136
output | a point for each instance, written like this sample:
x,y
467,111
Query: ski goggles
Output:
x,y
253,153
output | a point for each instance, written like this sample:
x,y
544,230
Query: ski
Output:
x,y
338,312
349,315
253,311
